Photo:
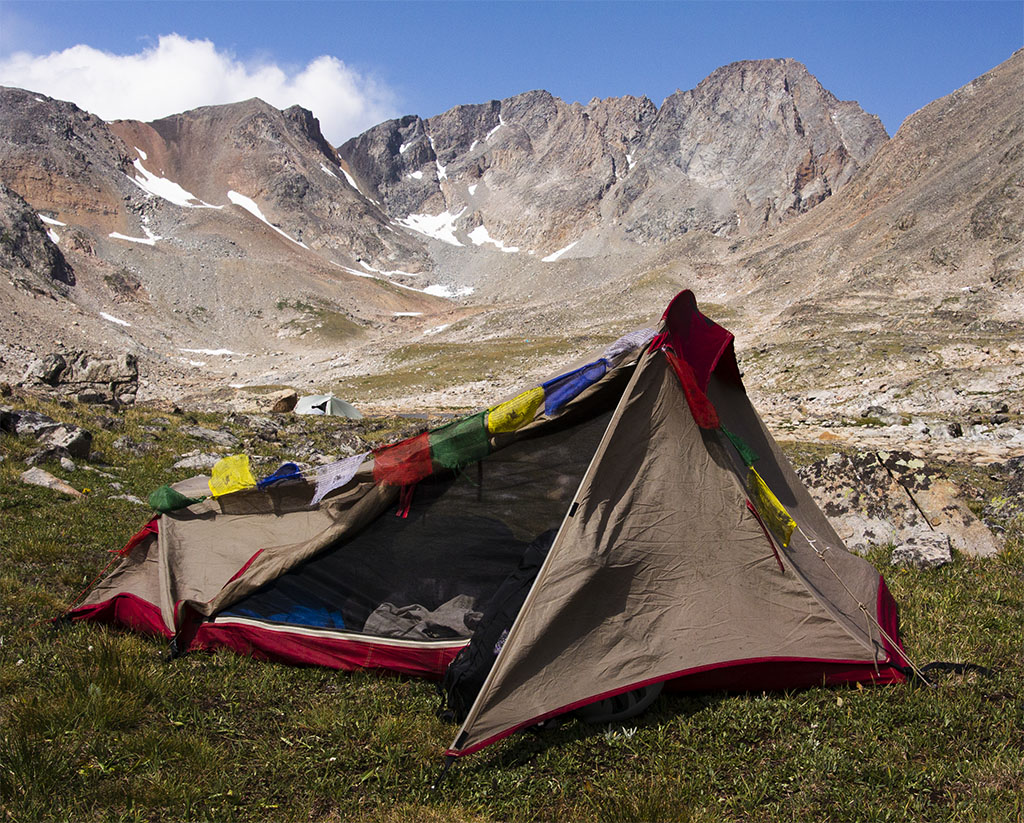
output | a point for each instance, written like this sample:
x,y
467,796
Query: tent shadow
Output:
x,y
526,745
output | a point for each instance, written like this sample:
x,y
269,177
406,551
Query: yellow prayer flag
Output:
x,y
515,413
774,514
231,474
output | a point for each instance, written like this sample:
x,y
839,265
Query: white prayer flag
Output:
x,y
335,475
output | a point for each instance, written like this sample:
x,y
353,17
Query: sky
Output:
x,y
355,64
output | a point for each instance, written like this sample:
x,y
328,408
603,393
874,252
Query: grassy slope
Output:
x,y
98,725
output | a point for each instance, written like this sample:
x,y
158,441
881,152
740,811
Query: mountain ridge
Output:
x,y
790,211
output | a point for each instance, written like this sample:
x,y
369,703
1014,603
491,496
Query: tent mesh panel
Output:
x,y
464,534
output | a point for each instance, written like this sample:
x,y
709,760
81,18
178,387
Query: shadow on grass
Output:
x,y
525,746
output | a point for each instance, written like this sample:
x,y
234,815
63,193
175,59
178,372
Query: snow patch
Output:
x,y
196,362
479,236
630,160
551,258
50,221
404,148
434,291
448,291
492,131
166,189
250,206
406,314
142,154
356,272
472,189
149,240
352,182
209,352
328,172
113,319
391,273
415,175
442,173
473,145
53,235
439,226
436,329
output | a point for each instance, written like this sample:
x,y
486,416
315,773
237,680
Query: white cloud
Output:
x,y
179,74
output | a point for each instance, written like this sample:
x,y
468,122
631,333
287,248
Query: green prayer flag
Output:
x,y
166,499
747,454
461,442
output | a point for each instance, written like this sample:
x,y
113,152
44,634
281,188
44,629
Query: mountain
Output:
x,y
483,246
754,143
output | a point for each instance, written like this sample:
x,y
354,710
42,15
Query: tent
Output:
x,y
685,549
327,404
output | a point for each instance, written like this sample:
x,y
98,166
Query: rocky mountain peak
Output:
x,y
753,144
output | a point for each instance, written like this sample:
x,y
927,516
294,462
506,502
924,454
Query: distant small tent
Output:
x,y
327,404
672,558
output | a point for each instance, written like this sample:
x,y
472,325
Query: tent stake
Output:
x,y
443,773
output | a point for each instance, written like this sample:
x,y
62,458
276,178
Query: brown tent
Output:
x,y
685,550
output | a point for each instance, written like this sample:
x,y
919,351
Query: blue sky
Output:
x,y
391,58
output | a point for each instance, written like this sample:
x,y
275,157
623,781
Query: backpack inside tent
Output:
x,y
679,548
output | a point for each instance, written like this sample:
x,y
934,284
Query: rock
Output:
x,y
219,438
948,515
67,464
131,498
47,455
923,550
33,424
865,505
37,477
88,378
890,497
955,430
282,401
261,427
197,460
77,441
127,444
47,369
886,416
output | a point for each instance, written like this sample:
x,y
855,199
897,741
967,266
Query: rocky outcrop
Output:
x,y
59,439
28,253
880,498
87,378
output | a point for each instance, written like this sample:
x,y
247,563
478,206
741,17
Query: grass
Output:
x,y
429,366
320,319
97,724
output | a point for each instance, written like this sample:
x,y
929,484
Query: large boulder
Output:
x,y
88,378
880,498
